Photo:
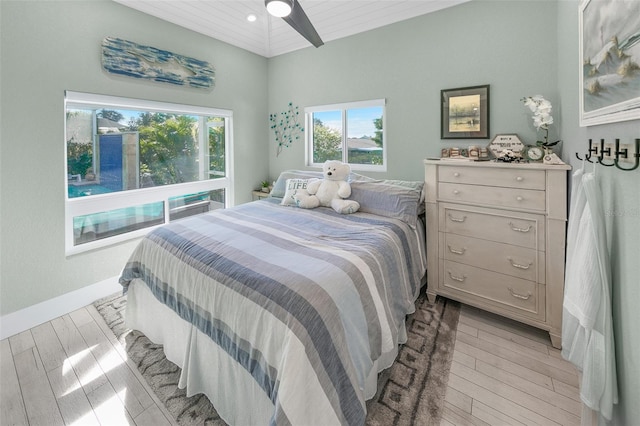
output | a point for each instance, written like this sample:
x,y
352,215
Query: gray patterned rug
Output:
x,y
411,392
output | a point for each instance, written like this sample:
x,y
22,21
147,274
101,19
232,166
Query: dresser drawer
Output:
x,y
519,262
512,178
525,199
520,229
486,288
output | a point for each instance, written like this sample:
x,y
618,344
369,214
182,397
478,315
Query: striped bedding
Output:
x,y
309,304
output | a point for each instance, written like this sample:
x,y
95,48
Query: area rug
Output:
x,y
411,392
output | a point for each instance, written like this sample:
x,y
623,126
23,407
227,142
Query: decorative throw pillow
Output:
x,y
292,187
280,187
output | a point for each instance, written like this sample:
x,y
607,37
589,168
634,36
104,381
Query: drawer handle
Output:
x,y
452,250
517,229
456,192
456,174
519,198
454,219
519,178
519,265
453,277
520,296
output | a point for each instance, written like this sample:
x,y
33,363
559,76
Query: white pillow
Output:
x,y
293,187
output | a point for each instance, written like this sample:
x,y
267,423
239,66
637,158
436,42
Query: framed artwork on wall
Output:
x,y
465,113
609,61
131,59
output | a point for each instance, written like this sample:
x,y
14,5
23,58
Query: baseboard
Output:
x,y
24,319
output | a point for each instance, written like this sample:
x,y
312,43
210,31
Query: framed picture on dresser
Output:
x,y
465,113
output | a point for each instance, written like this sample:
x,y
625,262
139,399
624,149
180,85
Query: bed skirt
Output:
x,y
209,370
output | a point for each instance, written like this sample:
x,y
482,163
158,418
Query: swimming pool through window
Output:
x,y
134,164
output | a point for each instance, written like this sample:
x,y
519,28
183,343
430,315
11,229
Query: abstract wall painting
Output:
x,y
135,60
609,61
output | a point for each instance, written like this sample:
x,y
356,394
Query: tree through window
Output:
x,y
350,132
174,157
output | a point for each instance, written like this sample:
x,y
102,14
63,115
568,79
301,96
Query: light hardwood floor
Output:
x,y
504,372
73,371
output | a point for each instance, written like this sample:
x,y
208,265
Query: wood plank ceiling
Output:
x,y
226,20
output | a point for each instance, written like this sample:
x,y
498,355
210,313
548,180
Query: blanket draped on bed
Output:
x,y
308,302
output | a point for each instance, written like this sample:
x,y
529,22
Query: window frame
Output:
x,y
79,206
343,108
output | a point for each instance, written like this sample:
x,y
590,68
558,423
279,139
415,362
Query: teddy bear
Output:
x,y
330,191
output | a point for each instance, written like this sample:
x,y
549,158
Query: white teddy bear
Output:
x,y
330,191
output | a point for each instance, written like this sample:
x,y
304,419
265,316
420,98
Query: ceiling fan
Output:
x,y
293,14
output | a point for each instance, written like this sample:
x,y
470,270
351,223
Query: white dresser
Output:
x,y
496,238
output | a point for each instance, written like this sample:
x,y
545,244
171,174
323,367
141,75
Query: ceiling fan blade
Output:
x,y
301,23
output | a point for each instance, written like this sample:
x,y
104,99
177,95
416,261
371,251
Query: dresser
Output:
x,y
496,238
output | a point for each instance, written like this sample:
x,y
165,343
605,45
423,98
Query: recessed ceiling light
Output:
x,y
252,17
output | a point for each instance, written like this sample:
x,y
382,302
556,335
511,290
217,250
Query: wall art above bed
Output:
x,y
135,60
286,127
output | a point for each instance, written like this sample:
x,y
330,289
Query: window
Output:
x,y
132,165
351,132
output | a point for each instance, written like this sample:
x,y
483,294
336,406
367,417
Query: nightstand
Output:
x,y
259,195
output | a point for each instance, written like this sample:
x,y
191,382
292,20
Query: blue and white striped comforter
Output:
x,y
304,300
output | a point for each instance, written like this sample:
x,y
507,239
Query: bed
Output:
x,y
282,315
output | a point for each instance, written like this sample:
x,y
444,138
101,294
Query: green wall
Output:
x,y
408,63
520,48
52,46
621,196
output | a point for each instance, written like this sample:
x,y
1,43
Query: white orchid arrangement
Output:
x,y
542,118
